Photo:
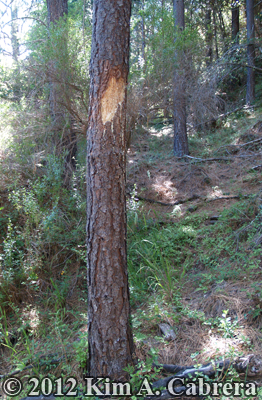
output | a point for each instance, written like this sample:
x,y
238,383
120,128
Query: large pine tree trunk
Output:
x,y
109,330
250,95
180,131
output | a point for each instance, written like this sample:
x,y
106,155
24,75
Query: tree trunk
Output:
x,y
250,95
56,9
143,37
15,52
209,37
180,132
215,33
235,23
143,108
109,330
222,30
60,94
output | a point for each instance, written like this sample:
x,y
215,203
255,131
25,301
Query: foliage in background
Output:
x,y
42,221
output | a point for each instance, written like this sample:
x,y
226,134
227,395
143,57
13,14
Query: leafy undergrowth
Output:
x,y
195,265
199,261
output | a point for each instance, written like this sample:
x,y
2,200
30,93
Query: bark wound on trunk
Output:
x,y
109,329
112,98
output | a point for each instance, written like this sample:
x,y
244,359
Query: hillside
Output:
x,y
194,254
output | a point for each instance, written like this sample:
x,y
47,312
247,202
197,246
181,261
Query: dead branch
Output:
x,y
239,145
246,66
194,197
247,366
35,19
197,159
225,198
257,167
137,197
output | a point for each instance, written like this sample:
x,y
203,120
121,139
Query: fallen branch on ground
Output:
x,y
239,145
249,366
226,198
194,197
257,167
197,159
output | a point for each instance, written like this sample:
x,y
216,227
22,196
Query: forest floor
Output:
x,y
194,258
220,290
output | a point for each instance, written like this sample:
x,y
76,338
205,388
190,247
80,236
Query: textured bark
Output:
x,y
109,330
179,13
235,23
56,9
180,132
250,95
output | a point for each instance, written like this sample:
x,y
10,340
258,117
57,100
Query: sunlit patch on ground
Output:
x,y
163,132
215,192
31,315
165,188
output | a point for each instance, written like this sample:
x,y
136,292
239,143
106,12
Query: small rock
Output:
x,y
167,331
